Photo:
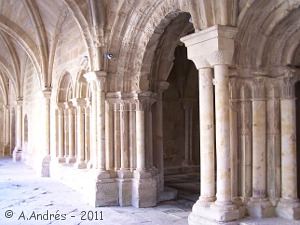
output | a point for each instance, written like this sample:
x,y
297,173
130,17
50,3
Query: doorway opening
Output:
x,y
181,128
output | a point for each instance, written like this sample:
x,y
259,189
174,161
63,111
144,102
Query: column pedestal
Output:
x,y
144,189
125,187
260,208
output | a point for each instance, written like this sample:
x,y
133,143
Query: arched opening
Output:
x,y
176,113
181,127
297,95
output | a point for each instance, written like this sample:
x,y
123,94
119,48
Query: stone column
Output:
x,y
45,153
109,135
117,140
79,104
124,174
97,79
288,206
207,136
159,149
144,187
218,55
149,135
132,137
222,135
124,114
6,149
60,115
18,148
233,118
66,132
101,83
246,142
87,132
71,157
188,127
259,205
140,137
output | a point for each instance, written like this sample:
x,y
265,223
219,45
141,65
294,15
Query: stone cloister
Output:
x,y
114,97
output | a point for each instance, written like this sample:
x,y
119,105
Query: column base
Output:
x,y
70,160
60,159
17,155
80,165
144,189
288,209
45,170
260,208
125,187
6,150
206,213
89,165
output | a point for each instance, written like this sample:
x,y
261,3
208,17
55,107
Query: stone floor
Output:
x,y
28,199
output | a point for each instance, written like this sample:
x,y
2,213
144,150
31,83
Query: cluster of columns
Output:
x,y
73,132
212,63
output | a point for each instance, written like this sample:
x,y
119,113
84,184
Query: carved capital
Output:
x,y
144,101
258,88
47,93
220,40
161,86
79,102
288,86
97,79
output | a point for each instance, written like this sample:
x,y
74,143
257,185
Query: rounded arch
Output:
x,y
82,88
264,41
65,90
143,33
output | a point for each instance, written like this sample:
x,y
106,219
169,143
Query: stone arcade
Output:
x,y
114,97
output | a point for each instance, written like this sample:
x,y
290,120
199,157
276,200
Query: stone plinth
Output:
x,y
144,190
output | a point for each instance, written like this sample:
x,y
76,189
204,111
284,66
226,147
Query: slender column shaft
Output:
x,y
140,139
94,159
80,135
117,146
246,146
132,138
109,136
101,127
60,133
47,95
87,134
71,133
222,133
259,149
66,133
149,138
124,137
207,138
288,149
186,135
19,126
